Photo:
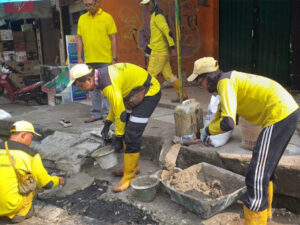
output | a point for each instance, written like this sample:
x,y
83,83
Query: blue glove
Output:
x,y
204,137
186,137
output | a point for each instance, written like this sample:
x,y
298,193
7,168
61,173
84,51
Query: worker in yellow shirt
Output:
x,y
97,41
260,101
161,41
118,82
12,204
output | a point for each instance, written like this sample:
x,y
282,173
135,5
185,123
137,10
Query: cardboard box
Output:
x,y
17,80
9,56
18,36
6,35
21,56
30,37
19,46
27,68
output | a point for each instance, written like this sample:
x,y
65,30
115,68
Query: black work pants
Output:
x,y
270,146
138,120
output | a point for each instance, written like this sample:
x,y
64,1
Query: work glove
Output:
x,y
186,137
204,137
117,144
105,130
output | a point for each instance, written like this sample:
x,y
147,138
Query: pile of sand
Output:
x,y
187,180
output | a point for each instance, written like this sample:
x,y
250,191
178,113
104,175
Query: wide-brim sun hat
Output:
x,y
203,65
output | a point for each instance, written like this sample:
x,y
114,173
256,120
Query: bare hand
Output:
x,y
79,61
62,181
113,62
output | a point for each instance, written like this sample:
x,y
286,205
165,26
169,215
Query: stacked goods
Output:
x,y
31,47
7,45
19,46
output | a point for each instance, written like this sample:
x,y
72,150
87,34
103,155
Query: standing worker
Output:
x,y
16,154
120,83
97,40
260,101
161,41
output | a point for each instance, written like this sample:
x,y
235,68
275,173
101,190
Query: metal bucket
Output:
x,y
145,187
106,157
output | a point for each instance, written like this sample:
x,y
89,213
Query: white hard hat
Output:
x,y
23,126
77,71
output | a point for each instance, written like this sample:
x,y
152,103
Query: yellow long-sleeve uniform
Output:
x,y
161,38
11,202
259,100
117,81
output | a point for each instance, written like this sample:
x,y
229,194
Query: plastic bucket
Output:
x,y
145,187
106,157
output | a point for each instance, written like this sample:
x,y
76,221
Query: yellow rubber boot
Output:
x,y
130,164
270,199
120,172
176,87
255,218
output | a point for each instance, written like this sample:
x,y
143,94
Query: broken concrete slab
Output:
x,y
76,182
69,152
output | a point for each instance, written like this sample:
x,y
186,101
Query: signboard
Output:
x,y
71,43
18,7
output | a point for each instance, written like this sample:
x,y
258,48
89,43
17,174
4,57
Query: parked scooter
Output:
x,y
30,92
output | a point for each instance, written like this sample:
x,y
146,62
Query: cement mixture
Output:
x,y
188,180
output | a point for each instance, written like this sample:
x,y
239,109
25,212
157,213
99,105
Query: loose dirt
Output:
x,y
87,203
188,180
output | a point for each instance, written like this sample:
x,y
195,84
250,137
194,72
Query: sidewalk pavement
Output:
x,y
230,156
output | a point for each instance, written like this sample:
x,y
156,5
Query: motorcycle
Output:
x,y
32,91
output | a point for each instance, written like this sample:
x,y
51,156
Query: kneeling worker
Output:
x,y
260,101
15,156
118,83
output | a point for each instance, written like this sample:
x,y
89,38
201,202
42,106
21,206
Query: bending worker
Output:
x,y
161,41
118,82
260,101
12,204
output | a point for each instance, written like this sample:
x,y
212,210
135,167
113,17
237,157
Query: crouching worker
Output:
x,y
16,157
260,101
123,84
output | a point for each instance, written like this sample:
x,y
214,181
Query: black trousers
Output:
x,y
270,146
137,122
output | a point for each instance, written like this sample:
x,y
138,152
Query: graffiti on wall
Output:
x,y
130,22
190,34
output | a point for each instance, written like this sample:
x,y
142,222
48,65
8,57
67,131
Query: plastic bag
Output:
x,y
219,139
4,115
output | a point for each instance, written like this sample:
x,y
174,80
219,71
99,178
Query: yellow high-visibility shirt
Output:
x,y
118,83
95,32
257,99
161,38
10,199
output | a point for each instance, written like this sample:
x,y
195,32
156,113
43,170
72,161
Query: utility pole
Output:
x,y
178,44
